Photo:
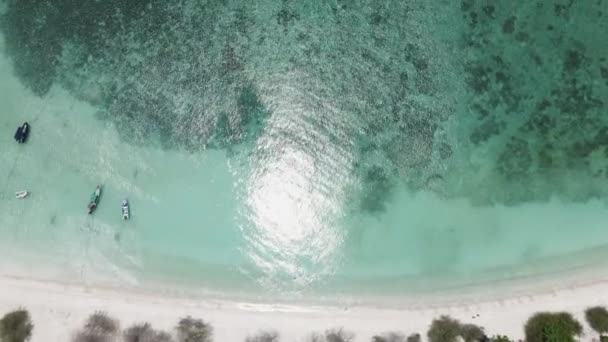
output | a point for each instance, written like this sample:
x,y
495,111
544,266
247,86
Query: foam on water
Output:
x,y
300,147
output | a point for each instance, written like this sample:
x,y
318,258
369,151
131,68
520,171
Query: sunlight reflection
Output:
x,y
294,194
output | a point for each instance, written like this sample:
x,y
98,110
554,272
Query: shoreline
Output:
x,y
568,272
58,309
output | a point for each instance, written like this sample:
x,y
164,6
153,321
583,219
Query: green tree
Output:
x,y
444,329
389,337
414,338
102,323
99,327
339,335
16,326
471,333
500,338
143,332
264,336
597,317
333,335
552,327
193,330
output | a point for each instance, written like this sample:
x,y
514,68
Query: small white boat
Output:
x,y
21,194
125,210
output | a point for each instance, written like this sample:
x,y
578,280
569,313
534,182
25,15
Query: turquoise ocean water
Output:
x,y
316,148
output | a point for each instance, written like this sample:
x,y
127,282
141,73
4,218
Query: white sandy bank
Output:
x,y
58,310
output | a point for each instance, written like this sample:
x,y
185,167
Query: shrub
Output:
x,y
444,329
338,335
162,336
597,317
500,338
546,326
333,335
389,337
264,336
603,338
414,338
471,333
85,336
102,323
143,332
193,330
316,337
99,327
16,326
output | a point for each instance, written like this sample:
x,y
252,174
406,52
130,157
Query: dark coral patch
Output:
x,y
508,26
377,186
516,159
604,72
573,61
286,16
445,151
478,77
490,11
466,5
522,37
486,130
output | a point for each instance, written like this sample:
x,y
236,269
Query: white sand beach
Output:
x,y
58,310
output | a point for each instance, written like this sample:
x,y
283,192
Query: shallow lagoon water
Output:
x,y
289,148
